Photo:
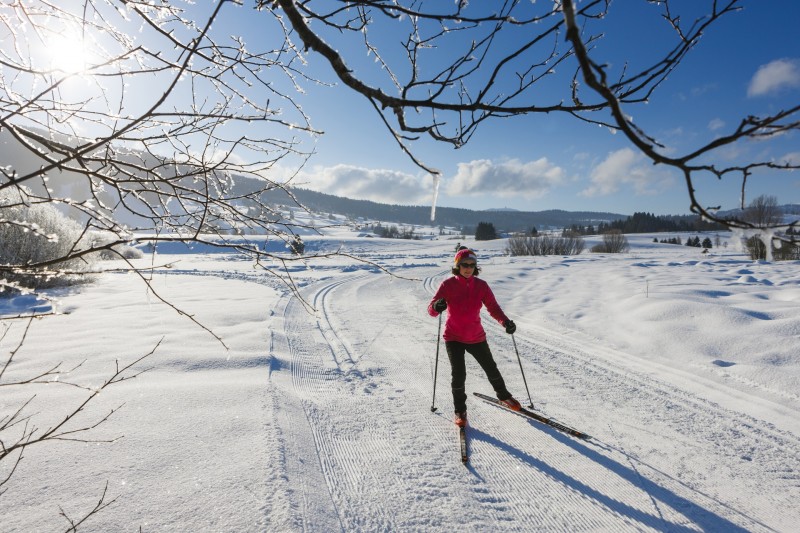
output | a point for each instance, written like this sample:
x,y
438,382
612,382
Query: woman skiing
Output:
x,y
463,295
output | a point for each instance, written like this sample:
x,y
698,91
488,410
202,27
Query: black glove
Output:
x,y
439,305
510,326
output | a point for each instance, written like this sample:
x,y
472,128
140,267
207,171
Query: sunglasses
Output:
x,y
468,265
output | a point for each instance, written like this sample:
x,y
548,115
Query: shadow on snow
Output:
x,y
707,520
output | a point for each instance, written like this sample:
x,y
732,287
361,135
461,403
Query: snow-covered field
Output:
x,y
684,368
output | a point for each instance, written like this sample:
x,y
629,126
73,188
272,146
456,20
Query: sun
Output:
x,y
69,53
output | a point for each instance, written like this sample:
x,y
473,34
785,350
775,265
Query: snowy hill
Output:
x,y
682,366
503,219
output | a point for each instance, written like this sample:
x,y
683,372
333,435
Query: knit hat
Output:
x,y
466,253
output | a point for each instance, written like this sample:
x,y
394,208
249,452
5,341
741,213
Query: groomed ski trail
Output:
x,y
349,443
351,404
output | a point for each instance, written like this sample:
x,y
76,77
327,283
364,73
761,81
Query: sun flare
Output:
x,y
69,54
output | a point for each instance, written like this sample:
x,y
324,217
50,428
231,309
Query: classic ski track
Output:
x,y
320,374
341,352
431,283
300,499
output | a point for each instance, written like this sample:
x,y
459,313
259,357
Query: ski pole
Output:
x,y
522,372
436,366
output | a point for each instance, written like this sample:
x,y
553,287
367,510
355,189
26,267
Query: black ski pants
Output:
x,y
483,355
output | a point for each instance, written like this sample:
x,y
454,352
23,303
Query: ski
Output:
x,y
462,439
535,416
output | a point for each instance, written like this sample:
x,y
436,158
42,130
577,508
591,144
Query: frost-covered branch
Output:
x,y
463,63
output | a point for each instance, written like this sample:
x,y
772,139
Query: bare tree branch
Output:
x,y
101,504
460,57
60,430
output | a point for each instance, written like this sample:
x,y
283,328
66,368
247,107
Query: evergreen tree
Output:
x,y
485,231
297,246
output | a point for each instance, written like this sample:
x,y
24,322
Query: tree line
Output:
x,y
647,223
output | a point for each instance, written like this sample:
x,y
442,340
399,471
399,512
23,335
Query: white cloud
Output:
x,y
716,124
378,185
774,76
509,178
792,158
626,168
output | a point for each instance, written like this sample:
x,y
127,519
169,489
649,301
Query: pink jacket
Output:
x,y
464,297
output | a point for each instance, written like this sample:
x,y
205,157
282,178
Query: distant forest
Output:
x,y
581,222
649,223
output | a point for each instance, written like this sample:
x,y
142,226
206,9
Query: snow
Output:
x,y
682,366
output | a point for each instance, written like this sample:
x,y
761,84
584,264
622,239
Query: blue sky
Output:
x,y
748,64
